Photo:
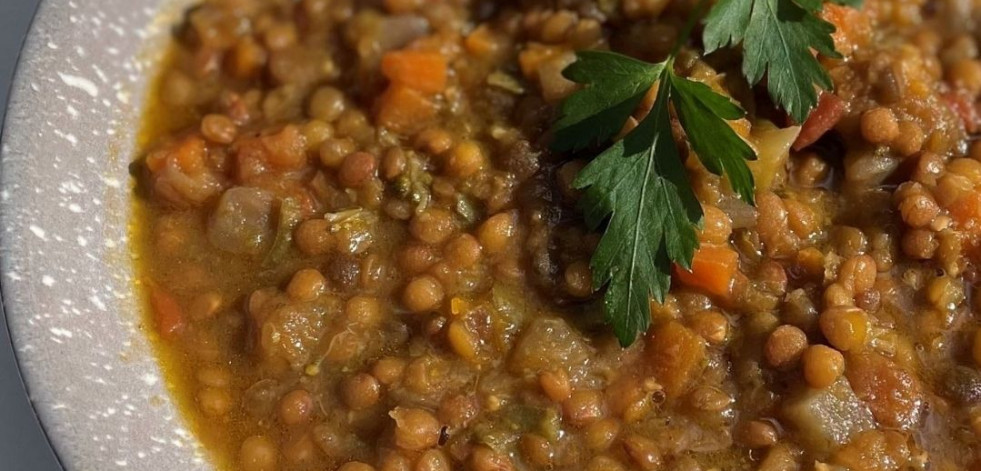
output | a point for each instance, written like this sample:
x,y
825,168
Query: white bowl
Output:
x,y
65,259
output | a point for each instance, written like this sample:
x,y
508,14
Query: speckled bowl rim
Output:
x,y
65,264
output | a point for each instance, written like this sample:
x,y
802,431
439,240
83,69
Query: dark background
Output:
x,y
23,446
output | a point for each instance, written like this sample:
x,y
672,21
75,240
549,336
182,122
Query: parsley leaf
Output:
x,y
777,37
638,187
615,86
640,184
703,114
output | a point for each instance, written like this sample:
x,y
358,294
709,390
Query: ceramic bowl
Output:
x,y
65,260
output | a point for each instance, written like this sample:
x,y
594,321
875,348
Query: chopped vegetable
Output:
x,y
241,223
425,72
829,417
829,111
289,217
414,183
483,42
893,394
548,344
466,208
713,269
353,229
773,150
505,82
404,109
676,355
167,314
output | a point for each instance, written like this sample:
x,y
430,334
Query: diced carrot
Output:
x,y
829,111
419,70
404,110
712,270
167,314
676,355
531,59
286,148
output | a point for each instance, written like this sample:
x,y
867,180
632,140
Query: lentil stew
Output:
x,y
360,253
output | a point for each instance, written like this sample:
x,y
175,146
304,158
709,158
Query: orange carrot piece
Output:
x,y
419,70
713,270
676,355
829,111
404,110
167,314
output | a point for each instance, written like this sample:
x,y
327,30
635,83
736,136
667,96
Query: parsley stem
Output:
x,y
693,18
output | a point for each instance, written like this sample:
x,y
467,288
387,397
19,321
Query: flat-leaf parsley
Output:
x,y
637,187
777,38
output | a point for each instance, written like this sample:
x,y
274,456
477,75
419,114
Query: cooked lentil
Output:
x,y
360,253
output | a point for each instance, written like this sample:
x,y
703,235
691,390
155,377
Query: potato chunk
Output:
x,y
547,344
826,418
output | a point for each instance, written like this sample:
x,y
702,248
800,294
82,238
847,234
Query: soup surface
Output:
x,y
360,253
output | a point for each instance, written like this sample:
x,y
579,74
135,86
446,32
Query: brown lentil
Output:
x,y
845,327
296,407
415,429
822,366
879,126
422,294
258,453
784,346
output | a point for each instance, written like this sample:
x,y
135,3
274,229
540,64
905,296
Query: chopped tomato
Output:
x,y
167,314
829,111
713,270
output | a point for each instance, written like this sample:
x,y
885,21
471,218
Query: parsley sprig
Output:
x,y
637,187
777,37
